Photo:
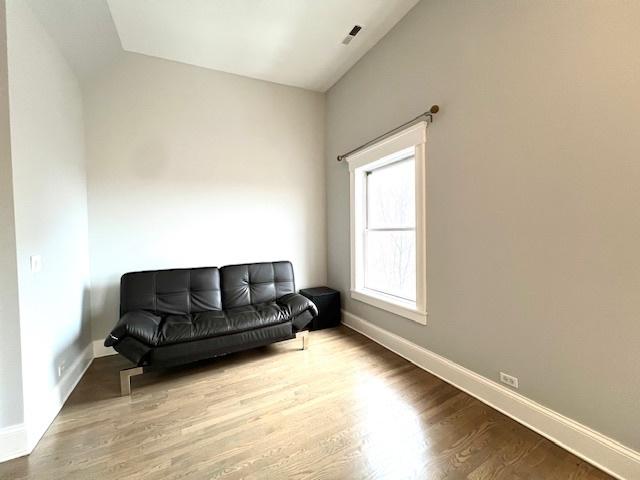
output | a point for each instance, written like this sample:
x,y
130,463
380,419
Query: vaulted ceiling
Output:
x,y
292,42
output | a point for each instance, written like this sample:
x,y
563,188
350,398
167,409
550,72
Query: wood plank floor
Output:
x,y
344,409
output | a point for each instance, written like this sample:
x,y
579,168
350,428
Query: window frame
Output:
x,y
382,153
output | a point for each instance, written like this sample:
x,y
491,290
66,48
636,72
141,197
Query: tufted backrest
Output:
x,y
255,283
179,291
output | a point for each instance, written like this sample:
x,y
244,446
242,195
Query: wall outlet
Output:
x,y
36,263
61,368
509,380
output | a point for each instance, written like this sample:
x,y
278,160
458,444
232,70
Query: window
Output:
x,y
390,229
388,244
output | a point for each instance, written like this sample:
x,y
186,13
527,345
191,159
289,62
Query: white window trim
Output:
x,y
372,157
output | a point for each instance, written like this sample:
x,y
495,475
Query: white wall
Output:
x,y
533,192
10,364
190,167
49,183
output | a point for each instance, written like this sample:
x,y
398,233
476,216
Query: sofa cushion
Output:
x,y
179,291
179,353
255,283
184,328
154,330
254,316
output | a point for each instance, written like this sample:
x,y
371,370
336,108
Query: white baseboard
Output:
x,y
13,442
593,447
99,350
19,440
50,407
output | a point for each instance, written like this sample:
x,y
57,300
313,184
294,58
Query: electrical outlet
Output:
x,y
509,380
61,368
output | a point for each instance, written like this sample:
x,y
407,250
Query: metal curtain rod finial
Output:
x,y
428,114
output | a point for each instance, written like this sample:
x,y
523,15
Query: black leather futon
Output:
x,y
173,317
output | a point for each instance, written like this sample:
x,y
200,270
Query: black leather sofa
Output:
x,y
173,317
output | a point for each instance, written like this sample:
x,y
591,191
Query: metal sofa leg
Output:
x,y
125,379
304,335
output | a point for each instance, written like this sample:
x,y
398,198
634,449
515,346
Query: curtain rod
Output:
x,y
428,114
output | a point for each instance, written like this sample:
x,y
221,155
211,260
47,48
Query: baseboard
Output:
x,y
99,350
50,407
593,447
19,440
13,442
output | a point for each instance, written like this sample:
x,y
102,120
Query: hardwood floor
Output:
x,y
346,408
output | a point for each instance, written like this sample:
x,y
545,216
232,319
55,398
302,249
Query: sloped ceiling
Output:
x,y
292,42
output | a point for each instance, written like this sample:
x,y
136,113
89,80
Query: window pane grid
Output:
x,y
401,229
389,231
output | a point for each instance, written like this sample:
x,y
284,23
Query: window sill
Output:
x,y
390,304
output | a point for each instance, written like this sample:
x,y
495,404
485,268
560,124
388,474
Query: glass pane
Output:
x,y
391,194
390,263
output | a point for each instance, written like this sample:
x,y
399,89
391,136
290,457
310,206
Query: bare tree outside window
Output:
x,y
389,243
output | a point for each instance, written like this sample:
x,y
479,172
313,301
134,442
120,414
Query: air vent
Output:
x,y
354,31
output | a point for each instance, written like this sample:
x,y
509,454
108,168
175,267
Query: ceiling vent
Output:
x,y
352,34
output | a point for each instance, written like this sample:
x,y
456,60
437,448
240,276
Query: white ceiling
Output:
x,y
293,42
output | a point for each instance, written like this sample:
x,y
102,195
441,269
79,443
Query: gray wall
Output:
x,y
11,411
533,192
